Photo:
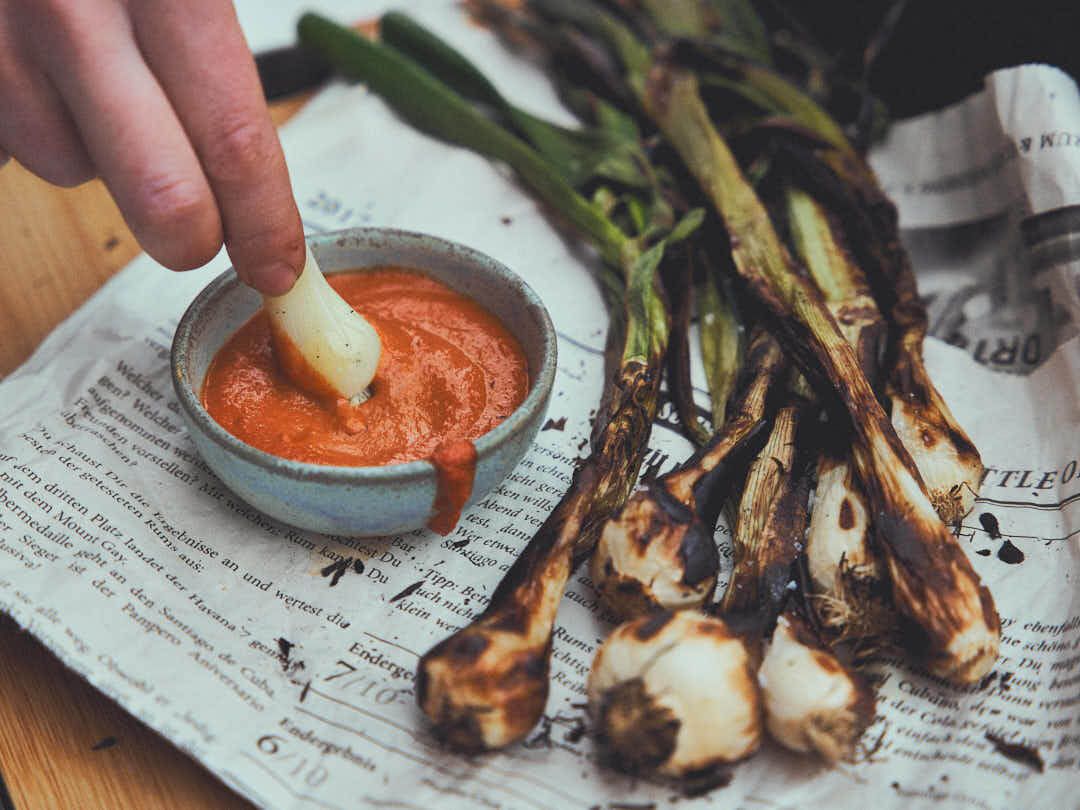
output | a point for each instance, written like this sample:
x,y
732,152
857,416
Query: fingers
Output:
x,y
131,132
35,126
163,100
198,53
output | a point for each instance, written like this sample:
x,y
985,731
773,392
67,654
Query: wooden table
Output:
x,y
62,743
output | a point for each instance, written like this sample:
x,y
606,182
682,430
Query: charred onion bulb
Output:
x,y
674,694
812,702
658,551
655,554
851,588
325,346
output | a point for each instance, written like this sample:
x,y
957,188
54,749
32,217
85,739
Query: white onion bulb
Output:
x,y
337,343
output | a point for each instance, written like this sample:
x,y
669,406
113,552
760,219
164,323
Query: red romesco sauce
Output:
x,y
449,372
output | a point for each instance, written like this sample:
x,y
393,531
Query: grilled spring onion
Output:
x,y
325,346
675,694
486,686
812,702
850,585
933,583
771,520
948,461
658,552
851,590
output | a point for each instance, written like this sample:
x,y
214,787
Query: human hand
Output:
x,y
162,100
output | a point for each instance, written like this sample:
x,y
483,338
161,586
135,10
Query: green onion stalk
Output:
x,y
720,339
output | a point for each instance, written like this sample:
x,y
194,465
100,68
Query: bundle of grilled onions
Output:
x,y
808,277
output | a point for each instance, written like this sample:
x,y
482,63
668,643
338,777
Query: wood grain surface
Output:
x,y
63,744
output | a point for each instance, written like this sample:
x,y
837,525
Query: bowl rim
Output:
x,y
517,422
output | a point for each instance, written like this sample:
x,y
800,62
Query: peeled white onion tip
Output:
x,y
335,340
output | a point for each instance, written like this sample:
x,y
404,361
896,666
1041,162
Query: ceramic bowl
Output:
x,y
362,501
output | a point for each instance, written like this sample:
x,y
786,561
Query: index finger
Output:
x,y
199,55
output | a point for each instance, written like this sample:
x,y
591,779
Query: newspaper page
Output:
x,y
284,660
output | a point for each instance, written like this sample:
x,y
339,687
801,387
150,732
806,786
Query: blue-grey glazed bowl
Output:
x,y
362,501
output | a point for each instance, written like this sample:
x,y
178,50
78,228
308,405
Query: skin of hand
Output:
x,y
160,99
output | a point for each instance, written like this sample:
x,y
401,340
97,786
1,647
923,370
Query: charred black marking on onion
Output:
x,y
512,619
847,515
906,385
532,666
460,731
706,780
989,610
760,577
466,648
868,349
679,285
776,584
634,733
672,506
697,551
718,629
826,662
850,315
654,625
964,446
905,544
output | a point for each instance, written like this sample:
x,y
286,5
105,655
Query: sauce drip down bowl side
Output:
x,y
363,501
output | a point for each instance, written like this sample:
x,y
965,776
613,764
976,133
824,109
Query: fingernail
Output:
x,y
276,279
